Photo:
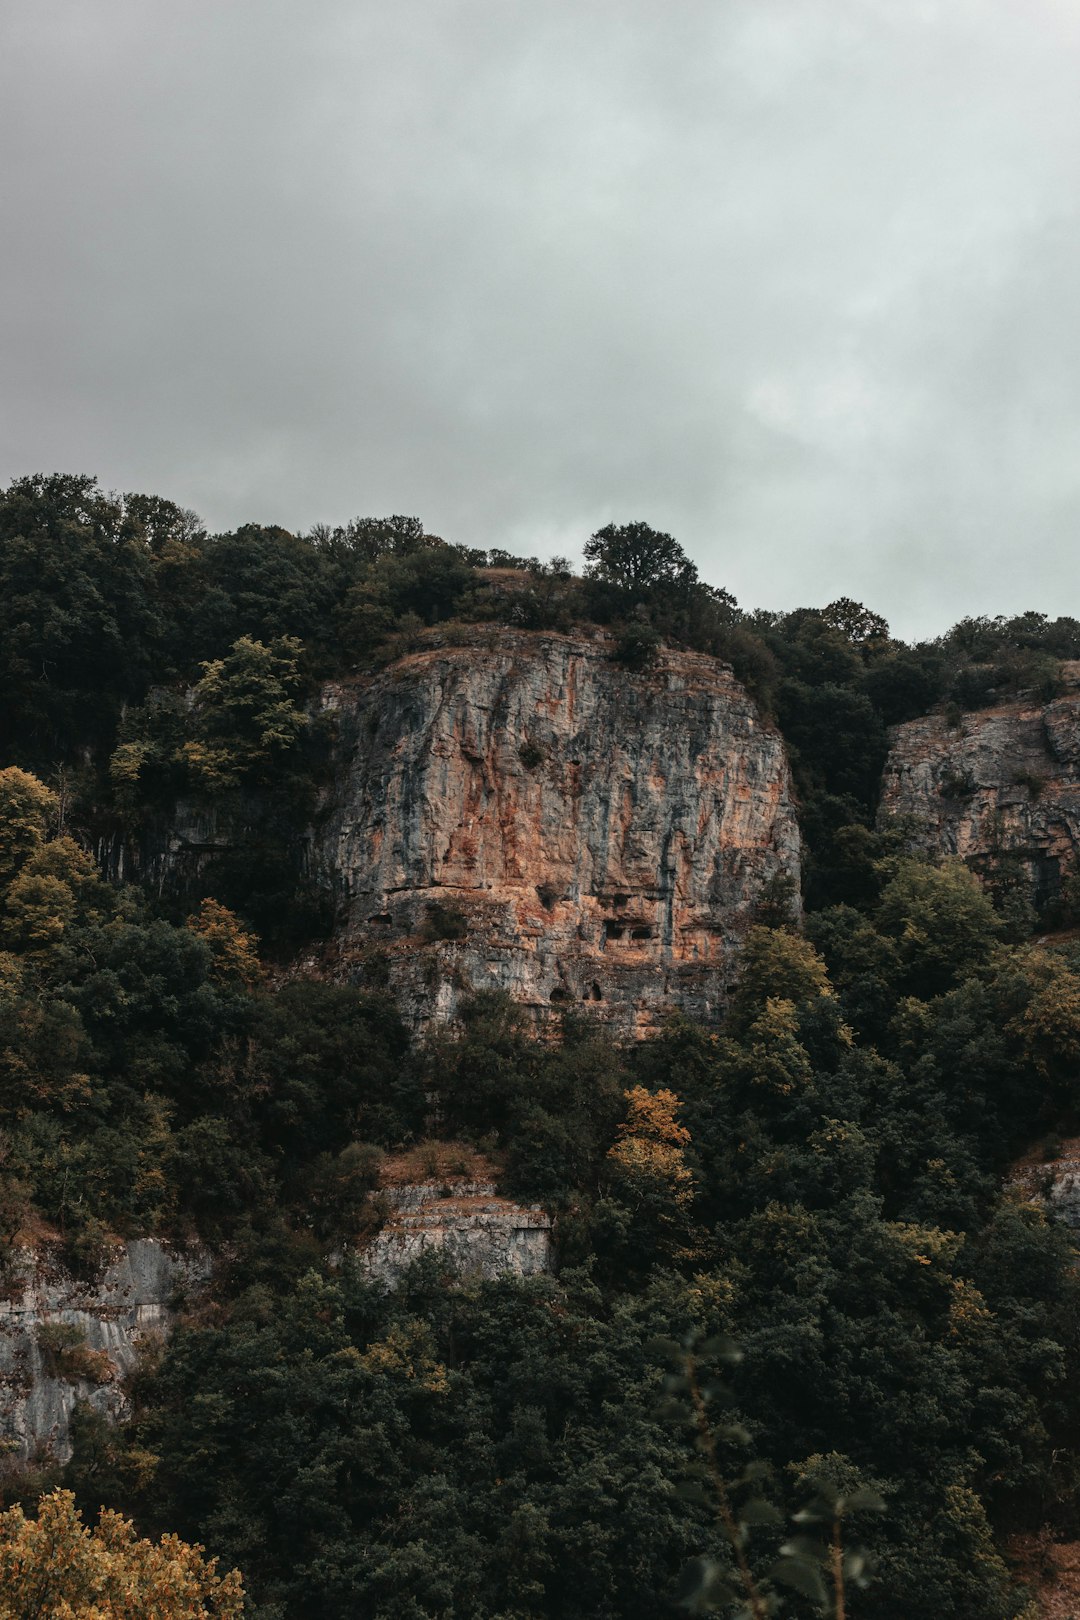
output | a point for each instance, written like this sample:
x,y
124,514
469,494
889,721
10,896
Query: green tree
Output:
x,y
78,620
636,557
245,715
941,921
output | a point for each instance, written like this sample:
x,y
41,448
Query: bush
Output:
x,y
67,1355
444,923
636,646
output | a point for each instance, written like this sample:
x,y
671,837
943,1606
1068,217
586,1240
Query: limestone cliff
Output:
x,y
109,1319
1003,781
474,1231
1051,1180
517,811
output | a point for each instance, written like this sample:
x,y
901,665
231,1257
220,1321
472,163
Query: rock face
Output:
x,y
131,1301
518,812
467,1224
1052,1182
1002,782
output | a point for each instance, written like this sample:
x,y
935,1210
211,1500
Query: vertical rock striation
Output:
x,y
575,833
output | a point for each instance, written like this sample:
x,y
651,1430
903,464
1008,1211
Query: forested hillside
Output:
x,y
790,1266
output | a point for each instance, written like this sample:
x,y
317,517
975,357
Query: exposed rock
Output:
x,y
594,836
175,850
1001,782
1063,1197
130,1301
1052,1182
477,1233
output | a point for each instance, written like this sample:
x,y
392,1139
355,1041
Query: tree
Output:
x,y
235,950
649,1152
857,623
78,621
941,920
27,807
636,557
776,964
245,715
55,1566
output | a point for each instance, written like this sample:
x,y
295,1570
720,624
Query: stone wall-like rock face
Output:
x,y
477,1233
1053,1183
1003,781
603,834
130,1301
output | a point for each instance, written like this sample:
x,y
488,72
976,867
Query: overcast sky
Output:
x,y
797,280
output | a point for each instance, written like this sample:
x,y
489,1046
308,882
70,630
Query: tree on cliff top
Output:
x,y
637,557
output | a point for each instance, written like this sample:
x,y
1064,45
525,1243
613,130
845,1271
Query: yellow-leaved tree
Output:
x,y
235,950
649,1149
56,1566
649,1176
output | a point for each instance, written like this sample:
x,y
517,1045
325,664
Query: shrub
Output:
x,y
636,646
67,1355
444,922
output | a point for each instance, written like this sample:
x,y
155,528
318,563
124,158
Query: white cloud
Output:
x,y
797,283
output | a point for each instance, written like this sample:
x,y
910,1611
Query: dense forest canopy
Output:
x,y
817,1180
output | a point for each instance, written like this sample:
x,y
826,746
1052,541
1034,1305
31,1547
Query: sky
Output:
x,y
798,283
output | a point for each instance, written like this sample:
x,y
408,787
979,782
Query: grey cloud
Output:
x,y
798,283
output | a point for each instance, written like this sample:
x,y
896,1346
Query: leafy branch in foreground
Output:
x,y
818,1563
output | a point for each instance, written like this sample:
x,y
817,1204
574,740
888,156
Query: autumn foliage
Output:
x,y
54,1566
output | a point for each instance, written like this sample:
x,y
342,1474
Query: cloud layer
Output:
x,y
799,283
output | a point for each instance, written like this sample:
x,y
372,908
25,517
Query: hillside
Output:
x,y
475,1041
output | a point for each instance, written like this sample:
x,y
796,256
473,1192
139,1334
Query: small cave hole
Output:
x,y
613,929
644,932
597,993
621,900
559,994
531,754
381,917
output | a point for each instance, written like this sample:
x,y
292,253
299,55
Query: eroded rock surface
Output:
x,y
593,836
477,1232
1003,781
1053,1182
113,1315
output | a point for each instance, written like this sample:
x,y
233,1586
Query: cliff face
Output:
x,y
474,1230
109,1319
575,833
1002,782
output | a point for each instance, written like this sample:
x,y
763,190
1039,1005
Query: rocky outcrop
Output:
x,y
1000,782
64,1340
518,812
1050,1177
43,1373
467,1224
